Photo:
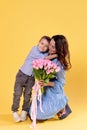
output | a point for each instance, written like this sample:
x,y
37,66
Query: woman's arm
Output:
x,y
49,57
42,84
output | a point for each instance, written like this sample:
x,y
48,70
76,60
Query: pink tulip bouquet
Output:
x,y
43,70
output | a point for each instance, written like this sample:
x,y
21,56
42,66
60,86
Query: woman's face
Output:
x,y
52,48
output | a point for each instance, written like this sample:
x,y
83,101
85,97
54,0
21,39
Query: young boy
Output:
x,y
25,79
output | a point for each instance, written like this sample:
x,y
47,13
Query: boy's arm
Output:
x,y
49,57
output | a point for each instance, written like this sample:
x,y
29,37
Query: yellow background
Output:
x,y
22,23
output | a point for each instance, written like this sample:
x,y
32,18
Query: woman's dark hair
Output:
x,y
45,37
62,49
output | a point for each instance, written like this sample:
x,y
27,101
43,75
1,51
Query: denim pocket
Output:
x,y
21,77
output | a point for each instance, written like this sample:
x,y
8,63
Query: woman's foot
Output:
x,y
64,112
61,113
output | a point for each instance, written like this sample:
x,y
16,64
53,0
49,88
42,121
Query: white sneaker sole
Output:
x,y
21,119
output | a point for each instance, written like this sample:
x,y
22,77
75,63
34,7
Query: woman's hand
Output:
x,y
42,83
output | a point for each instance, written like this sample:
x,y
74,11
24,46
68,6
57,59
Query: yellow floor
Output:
x,y
77,120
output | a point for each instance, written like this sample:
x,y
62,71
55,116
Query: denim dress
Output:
x,y
53,98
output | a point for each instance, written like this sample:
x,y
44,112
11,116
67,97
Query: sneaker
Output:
x,y
16,117
23,115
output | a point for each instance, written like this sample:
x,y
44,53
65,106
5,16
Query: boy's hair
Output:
x,y
45,37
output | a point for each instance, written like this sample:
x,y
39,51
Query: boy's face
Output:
x,y
43,45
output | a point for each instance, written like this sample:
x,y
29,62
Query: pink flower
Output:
x,y
57,69
44,69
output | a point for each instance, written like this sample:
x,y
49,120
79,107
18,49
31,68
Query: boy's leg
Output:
x,y
18,89
17,93
27,95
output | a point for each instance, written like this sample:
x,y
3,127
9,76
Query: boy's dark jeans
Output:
x,y
23,84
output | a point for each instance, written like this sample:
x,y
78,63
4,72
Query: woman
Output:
x,y
54,100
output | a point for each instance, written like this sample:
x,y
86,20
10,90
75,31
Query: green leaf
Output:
x,y
46,80
51,76
37,75
42,90
44,74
